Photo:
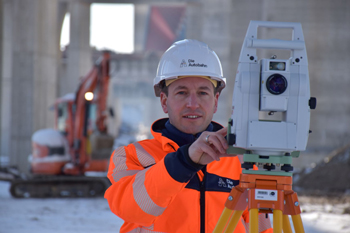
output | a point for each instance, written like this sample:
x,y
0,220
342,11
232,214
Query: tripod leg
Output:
x,y
277,221
286,225
298,224
253,221
225,215
233,221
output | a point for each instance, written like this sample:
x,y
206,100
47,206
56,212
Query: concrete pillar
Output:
x,y
62,10
6,75
194,21
62,61
1,64
29,81
1,45
79,54
215,18
45,67
141,16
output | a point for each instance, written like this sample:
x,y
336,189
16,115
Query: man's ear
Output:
x,y
163,102
217,94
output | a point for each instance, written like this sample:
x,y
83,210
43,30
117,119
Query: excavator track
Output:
x,y
59,186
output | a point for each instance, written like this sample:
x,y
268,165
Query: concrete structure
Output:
x,y
79,59
30,61
33,73
29,78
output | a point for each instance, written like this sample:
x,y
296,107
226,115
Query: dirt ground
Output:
x,y
331,177
328,184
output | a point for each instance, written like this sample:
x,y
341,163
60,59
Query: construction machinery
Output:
x,y
72,159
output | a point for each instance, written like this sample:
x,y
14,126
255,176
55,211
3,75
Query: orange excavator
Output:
x,y
72,159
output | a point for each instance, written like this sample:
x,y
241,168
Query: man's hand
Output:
x,y
209,146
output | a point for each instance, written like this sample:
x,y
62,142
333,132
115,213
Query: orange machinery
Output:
x,y
62,157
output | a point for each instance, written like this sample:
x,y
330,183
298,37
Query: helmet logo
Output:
x,y
183,63
191,62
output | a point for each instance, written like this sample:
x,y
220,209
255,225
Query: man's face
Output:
x,y
190,104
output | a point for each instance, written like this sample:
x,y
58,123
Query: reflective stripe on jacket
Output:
x,y
149,199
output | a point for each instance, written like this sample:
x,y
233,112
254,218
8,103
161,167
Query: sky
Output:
x,y
111,27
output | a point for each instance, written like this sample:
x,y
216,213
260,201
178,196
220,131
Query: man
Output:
x,y
180,180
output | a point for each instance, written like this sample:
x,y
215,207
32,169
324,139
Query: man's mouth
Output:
x,y
192,116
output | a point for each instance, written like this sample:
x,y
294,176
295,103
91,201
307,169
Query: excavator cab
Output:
x,y
99,144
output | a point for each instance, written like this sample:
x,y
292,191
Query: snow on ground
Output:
x,y
73,215
92,215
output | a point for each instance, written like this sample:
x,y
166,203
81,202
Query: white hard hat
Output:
x,y
188,58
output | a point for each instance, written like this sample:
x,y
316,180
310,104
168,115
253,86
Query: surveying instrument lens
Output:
x,y
276,84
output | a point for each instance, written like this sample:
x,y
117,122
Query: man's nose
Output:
x,y
193,101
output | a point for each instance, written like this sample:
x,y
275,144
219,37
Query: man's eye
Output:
x,y
203,93
180,93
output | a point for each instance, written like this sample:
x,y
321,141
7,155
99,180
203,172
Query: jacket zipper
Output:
x,y
202,202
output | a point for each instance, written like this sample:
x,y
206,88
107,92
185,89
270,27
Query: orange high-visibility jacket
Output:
x,y
154,191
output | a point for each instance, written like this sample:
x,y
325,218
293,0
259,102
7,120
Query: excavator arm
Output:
x,y
95,82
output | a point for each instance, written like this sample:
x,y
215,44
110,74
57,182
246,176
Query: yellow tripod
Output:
x,y
262,194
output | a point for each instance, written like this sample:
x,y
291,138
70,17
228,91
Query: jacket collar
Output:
x,y
167,144
171,138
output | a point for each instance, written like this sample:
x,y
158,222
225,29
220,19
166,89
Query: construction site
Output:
x,y
45,88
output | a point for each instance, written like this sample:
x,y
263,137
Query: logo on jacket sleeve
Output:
x,y
225,183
